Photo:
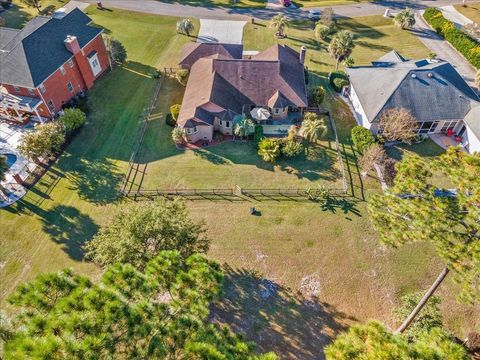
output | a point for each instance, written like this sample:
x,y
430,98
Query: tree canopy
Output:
x,y
137,233
159,313
341,46
46,138
313,127
279,22
373,341
399,124
414,209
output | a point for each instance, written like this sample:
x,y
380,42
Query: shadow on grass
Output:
x,y
66,225
15,17
425,149
70,228
346,206
289,324
214,3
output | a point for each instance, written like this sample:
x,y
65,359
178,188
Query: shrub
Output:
x,y
399,124
374,155
178,136
46,139
466,45
338,79
118,53
389,171
317,95
362,138
82,105
72,119
170,120
322,31
258,133
175,110
269,149
182,76
291,148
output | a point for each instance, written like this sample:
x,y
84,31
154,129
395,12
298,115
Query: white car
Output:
x,y
314,14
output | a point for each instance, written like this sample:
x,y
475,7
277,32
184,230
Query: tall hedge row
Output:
x,y
469,47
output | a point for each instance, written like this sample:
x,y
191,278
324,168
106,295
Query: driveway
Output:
x,y
221,31
454,16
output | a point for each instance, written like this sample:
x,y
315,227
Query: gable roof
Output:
x,y
232,84
32,54
194,51
431,91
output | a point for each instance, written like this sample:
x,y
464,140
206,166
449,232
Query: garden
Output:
x,y
275,261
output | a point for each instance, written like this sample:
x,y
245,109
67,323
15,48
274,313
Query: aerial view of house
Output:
x,y
223,84
433,91
240,179
48,62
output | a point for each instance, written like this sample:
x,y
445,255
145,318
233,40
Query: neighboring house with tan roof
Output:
x,y
433,91
223,85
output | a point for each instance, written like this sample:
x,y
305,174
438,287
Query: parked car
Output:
x,y
287,2
314,15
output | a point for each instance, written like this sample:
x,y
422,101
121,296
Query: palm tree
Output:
x,y
313,127
268,149
3,169
477,79
185,26
405,18
341,46
243,127
279,22
178,135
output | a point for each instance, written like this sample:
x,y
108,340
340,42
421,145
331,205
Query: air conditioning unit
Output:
x,y
60,13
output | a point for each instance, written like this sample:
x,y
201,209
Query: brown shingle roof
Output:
x,y
234,83
194,51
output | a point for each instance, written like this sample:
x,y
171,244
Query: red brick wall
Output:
x,y
80,76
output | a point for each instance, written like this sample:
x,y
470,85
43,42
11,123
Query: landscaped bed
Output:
x,y
268,258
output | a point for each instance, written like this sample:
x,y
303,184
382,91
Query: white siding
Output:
x,y
470,141
360,115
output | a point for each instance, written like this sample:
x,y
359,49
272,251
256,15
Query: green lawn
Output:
x,y
288,243
19,13
472,11
221,3
320,3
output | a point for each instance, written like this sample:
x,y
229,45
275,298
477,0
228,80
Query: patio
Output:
x,y
445,141
19,167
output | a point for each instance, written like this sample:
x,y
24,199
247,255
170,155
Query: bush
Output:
x,y
6,4
258,133
82,104
466,45
317,95
338,79
322,31
291,148
269,149
170,120
175,110
182,76
72,119
118,53
362,138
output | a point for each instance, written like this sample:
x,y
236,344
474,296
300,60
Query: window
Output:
x,y
31,92
62,70
70,63
227,124
16,88
51,106
70,86
42,88
277,111
448,125
94,64
191,131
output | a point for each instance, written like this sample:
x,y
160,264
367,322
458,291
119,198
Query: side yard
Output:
x,y
277,262
471,11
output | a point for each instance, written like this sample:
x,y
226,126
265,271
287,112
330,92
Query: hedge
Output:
x,y
362,138
338,79
466,45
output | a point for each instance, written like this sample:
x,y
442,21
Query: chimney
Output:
x,y
303,53
72,45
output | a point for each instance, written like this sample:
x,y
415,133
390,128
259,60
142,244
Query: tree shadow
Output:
x,y
69,227
210,157
15,17
360,30
96,180
346,206
291,325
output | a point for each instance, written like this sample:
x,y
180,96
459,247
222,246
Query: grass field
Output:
x,y
19,13
320,3
472,11
221,3
268,259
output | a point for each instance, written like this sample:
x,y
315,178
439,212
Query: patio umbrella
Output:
x,y
259,113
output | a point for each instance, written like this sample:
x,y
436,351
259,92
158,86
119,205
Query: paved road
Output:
x,y
444,50
176,9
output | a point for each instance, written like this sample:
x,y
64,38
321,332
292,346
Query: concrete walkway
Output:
x,y
75,4
454,16
444,50
221,31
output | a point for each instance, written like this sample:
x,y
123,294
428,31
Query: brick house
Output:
x,y
47,63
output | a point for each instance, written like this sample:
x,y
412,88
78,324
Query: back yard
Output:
x,y
300,271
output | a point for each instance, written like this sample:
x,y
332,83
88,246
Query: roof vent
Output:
x,y
414,76
60,13
430,75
